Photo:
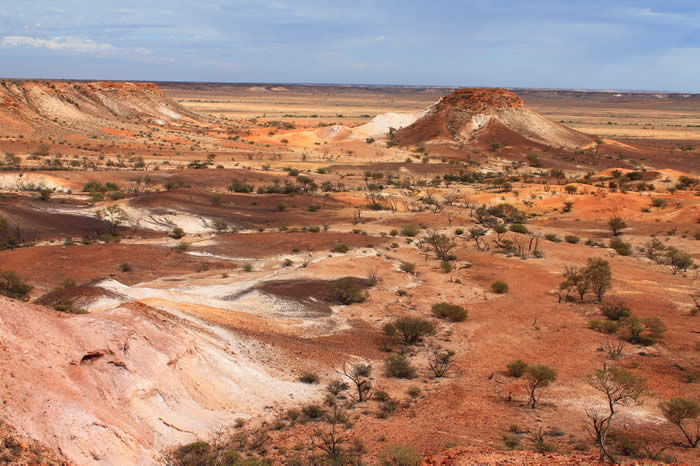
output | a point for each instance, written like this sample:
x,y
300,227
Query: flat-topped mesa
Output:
x,y
481,100
84,107
477,115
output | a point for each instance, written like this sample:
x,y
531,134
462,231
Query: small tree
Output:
x,y
616,225
331,441
410,330
599,275
516,368
114,216
620,387
677,410
678,260
538,376
439,361
442,245
359,375
576,280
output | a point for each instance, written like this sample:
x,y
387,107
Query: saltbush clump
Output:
x,y
451,312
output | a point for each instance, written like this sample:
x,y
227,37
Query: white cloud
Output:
x,y
70,44
67,44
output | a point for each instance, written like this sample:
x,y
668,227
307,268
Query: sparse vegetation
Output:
x,y
451,312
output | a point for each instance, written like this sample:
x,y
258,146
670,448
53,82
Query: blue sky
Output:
x,y
650,45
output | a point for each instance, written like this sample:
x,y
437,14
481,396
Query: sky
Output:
x,y
592,44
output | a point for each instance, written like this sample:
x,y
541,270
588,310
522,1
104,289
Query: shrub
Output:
x,y
341,248
658,202
414,391
410,230
248,268
512,441
451,312
309,378
178,233
552,237
13,286
615,310
346,291
517,368
194,454
499,287
410,330
606,326
408,267
313,411
182,246
616,225
446,266
538,377
647,331
439,361
622,247
572,239
125,267
381,396
400,455
400,367
676,411
519,228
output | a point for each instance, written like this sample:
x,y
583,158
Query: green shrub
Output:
x,y
499,287
309,378
178,233
615,310
13,286
408,267
446,266
400,367
517,368
313,411
512,441
341,248
381,396
552,237
410,230
451,312
195,454
414,391
519,228
346,291
182,246
400,455
620,246
409,330
572,239
658,202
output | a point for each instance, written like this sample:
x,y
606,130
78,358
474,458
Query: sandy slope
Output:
x,y
121,385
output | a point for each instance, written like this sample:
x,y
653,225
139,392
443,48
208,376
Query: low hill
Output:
x,y
479,115
85,106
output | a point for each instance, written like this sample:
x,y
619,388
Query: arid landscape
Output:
x,y
253,274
